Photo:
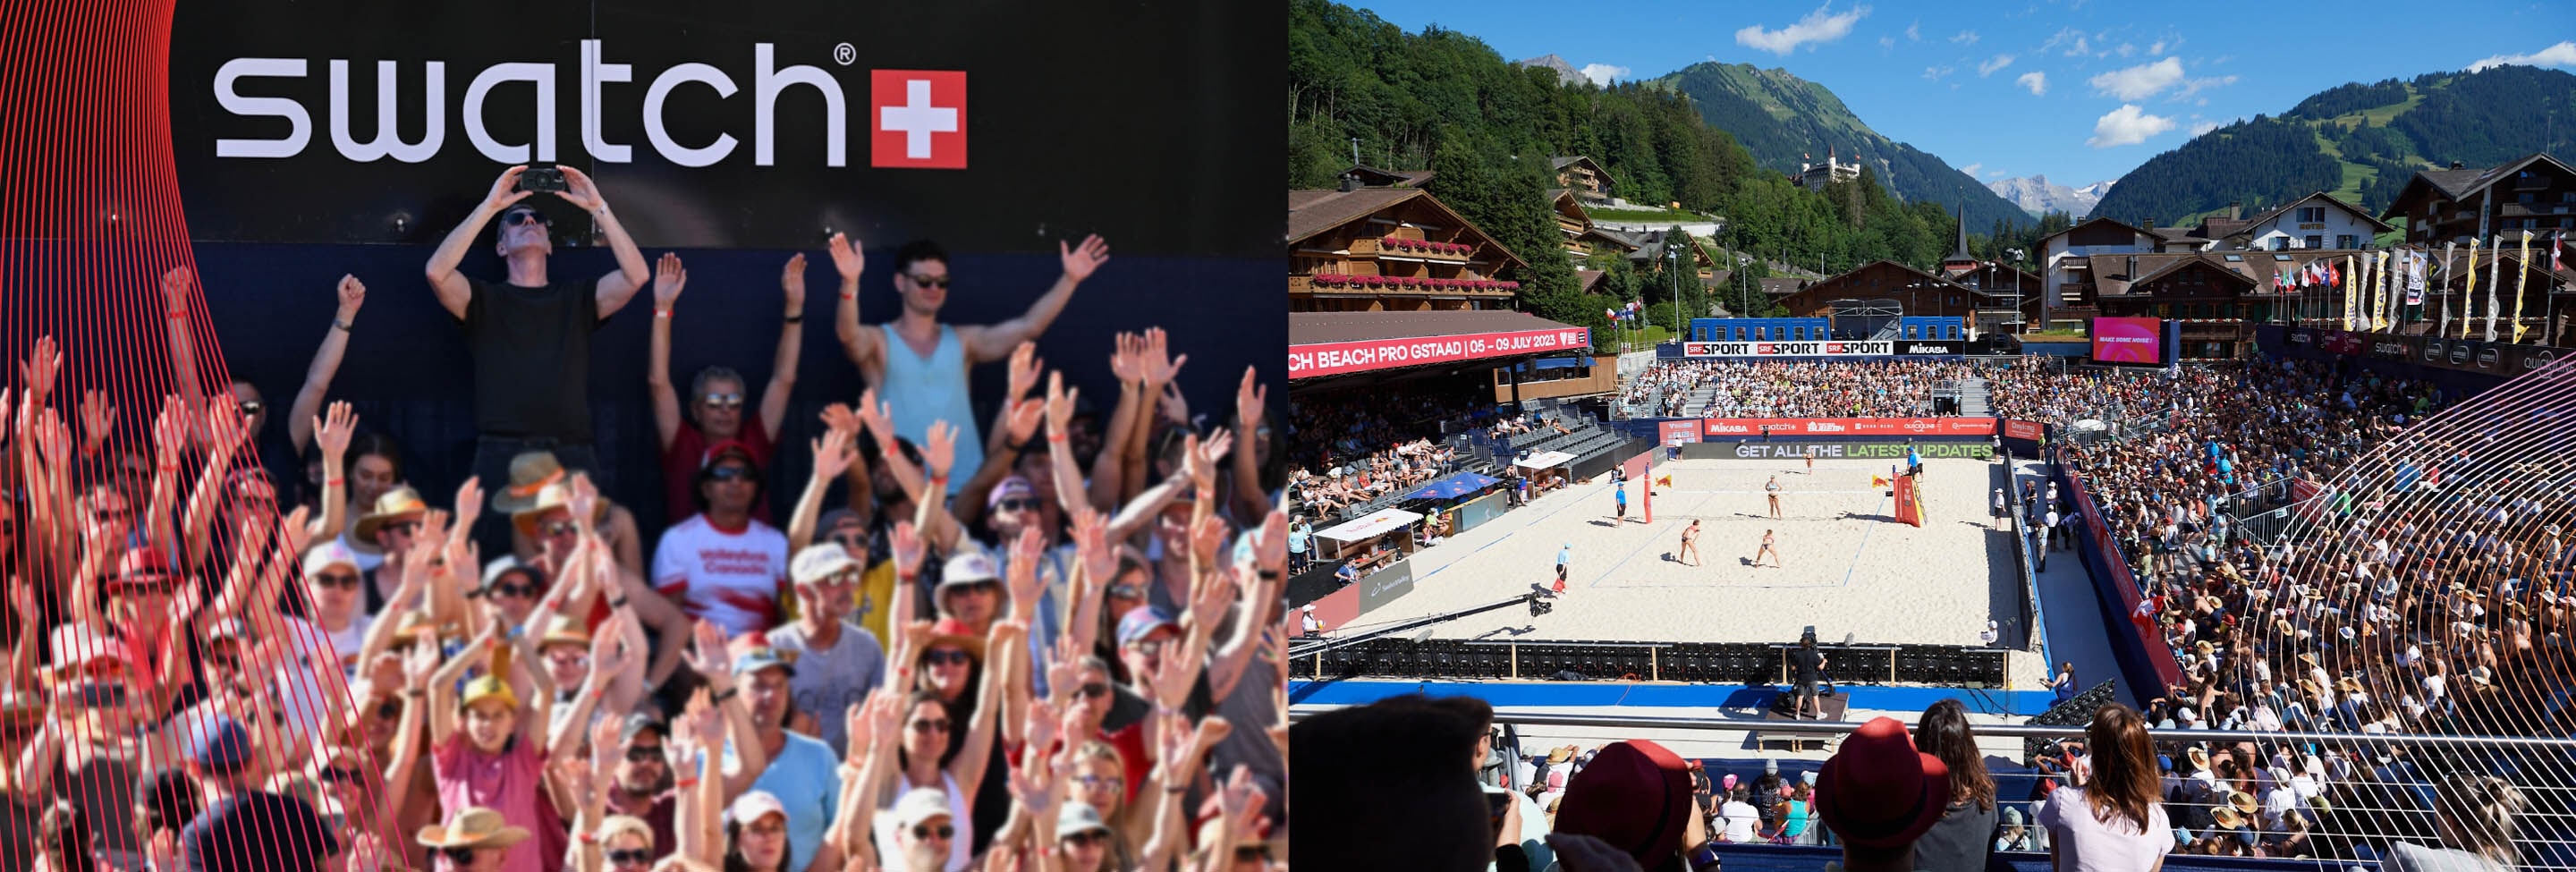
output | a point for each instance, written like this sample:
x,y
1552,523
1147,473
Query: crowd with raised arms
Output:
x,y
1042,641
1753,388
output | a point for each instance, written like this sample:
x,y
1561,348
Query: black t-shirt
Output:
x,y
1805,663
256,832
531,351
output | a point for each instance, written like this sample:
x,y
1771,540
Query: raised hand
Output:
x,y
877,418
838,416
1023,421
1091,544
1205,455
885,714
1270,543
858,728
292,533
1059,405
469,506
505,190
333,430
939,448
791,280
1064,665
1080,261
174,288
53,439
226,427
1251,400
832,454
1025,367
574,774
170,430
1175,406
669,277
608,653
1160,366
583,501
1026,553
42,366
97,416
421,663
847,259
353,295
1126,361
908,550
580,191
709,657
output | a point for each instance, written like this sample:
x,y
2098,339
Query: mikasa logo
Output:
x,y
925,118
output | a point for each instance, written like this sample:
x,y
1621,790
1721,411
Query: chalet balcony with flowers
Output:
x,y
1391,249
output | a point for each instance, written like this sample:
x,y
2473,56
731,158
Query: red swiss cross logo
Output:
x,y
917,119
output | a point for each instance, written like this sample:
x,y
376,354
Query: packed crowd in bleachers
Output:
x,y
1745,388
1018,643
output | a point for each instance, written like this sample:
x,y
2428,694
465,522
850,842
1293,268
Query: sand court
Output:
x,y
1845,565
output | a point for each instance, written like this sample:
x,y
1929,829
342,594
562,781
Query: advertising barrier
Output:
x,y
2029,430
2459,355
1820,348
2128,340
1385,585
1794,449
2144,658
1764,427
1336,358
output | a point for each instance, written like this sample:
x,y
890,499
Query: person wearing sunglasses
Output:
x,y
243,828
1098,783
921,364
332,583
625,844
718,407
529,334
920,832
722,564
474,840
510,591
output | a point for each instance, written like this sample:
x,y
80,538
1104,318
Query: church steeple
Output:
x,y
1960,261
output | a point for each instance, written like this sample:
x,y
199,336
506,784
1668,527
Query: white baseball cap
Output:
x,y
820,561
919,806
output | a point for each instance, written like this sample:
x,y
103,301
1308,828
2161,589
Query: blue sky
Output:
x,y
2079,90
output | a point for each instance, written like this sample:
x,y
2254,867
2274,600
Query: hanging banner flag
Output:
x,y
2414,277
2469,296
2379,315
2495,277
2521,277
2351,293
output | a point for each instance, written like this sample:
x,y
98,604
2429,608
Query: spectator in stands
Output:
x,y
722,564
242,827
920,364
1961,840
2478,816
2111,823
1879,796
841,662
476,840
1405,794
532,324
1635,796
1301,536
720,408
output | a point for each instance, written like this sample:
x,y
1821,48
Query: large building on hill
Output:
x,y
1815,176
2536,192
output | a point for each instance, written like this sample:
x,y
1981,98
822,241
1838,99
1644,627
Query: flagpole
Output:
x,y
2495,277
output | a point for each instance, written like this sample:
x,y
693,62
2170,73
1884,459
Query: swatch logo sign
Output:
x,y
915,118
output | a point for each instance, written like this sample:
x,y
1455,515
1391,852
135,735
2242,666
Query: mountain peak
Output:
x,y
2037,196
1565,71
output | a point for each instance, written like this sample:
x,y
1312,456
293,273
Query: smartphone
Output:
x,y
542,177
1497,804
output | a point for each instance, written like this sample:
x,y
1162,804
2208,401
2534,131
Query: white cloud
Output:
x,y
1601,74
1965,37
1972,169
2126,50
1996,174
1886,42
2127,125
1992,64
2196,86
2560,55
2081,47
1914,32
1818,27
2036,81
2063,36
1938,73
2158,48
2141,81
2198,128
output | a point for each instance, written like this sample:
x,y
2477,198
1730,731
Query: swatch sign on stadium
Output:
x,y
714,126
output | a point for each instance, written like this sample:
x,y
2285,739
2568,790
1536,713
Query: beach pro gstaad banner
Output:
x,y
1818,348
739,125
2128,340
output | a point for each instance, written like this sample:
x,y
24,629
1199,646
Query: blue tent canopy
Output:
x,y
1452,487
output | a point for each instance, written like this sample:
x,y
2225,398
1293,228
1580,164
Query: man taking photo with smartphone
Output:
x,y
530,333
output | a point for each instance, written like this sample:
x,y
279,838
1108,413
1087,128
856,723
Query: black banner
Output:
x,y
2467,355
992,128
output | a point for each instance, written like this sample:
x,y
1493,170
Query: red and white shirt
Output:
x,y
734,578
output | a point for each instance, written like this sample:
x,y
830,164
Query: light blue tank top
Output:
x,y
918,391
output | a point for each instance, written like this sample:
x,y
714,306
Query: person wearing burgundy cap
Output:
x,y
722,564
1636,797
1878,794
